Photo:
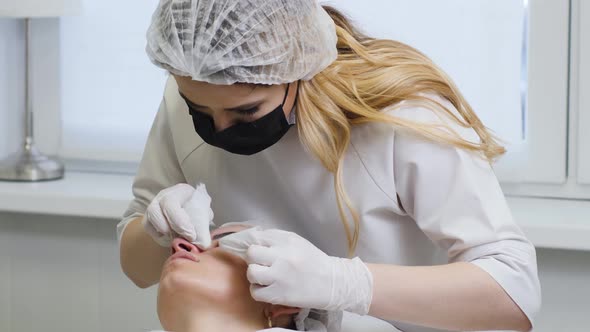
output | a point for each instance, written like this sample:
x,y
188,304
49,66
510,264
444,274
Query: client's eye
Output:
x,y
219,236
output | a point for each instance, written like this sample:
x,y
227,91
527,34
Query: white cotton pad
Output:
x,y
199,210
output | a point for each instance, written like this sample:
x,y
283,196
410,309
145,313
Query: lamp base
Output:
x,y
30,165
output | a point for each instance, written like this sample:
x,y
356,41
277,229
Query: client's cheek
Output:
x,y
230,277
227,285
183,280
175,282
170,310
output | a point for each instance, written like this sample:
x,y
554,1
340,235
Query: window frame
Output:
x,y
575,186
542,158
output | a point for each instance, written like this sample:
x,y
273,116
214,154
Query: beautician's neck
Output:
x,y
217,321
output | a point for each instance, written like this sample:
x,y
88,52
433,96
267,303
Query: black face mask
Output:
x,y
243,138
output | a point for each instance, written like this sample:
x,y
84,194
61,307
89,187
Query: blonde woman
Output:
x,y
362,150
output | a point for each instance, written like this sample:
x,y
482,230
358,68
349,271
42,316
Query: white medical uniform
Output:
x,y
420,203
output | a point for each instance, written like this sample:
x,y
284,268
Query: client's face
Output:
x,y
210,286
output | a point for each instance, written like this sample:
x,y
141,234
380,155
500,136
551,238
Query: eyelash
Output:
x,y
247,112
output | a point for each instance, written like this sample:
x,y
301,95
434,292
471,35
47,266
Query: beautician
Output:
x,y
367,169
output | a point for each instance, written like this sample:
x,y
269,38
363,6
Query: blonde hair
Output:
x,y
370,75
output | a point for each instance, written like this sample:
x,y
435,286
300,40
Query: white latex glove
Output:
x,y
286,269
180,210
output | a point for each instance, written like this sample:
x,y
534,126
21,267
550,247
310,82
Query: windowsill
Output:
x,y
78,194
548,223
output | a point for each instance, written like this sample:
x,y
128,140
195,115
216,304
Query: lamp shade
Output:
x,y
40,8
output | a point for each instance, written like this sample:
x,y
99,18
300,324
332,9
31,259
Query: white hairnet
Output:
x,y
246,41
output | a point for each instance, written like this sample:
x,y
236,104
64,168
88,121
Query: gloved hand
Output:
x,y
180,210
286,269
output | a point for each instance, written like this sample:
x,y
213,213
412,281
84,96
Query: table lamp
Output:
x,y
29,164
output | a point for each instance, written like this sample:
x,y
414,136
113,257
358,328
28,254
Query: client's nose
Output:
x,y
180,244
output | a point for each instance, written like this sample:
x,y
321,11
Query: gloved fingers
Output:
x,y
180,223
269,294
260,255
201,240
175,214
259,275
277,236
238,243
154,217
175,197
260,293
154,213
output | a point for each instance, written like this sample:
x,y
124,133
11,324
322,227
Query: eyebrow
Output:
x,y
219,236
233,109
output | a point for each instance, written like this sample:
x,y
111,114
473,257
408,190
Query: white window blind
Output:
x,y
110,90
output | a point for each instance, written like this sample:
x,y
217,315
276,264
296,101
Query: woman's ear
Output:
x,y
281,310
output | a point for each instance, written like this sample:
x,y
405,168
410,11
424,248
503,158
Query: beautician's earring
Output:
x,y
269,321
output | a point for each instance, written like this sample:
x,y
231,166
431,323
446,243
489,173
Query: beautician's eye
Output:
x,y
247,112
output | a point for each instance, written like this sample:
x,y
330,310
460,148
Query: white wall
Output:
x,y
565,282
62,274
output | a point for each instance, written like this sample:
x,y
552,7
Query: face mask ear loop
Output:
x,y
286,95
297,93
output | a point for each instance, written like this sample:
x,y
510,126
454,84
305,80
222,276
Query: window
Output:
x,y
575,184
509,57
110,90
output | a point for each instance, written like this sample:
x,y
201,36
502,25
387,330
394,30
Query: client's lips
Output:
x,y
182,254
